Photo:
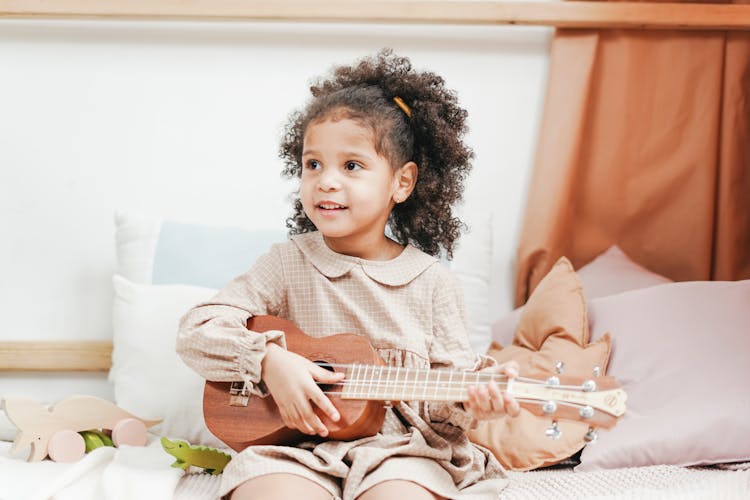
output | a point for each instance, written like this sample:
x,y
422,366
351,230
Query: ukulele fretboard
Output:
x,y
387,383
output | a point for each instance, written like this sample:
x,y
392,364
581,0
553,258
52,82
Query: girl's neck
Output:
x,y
382,248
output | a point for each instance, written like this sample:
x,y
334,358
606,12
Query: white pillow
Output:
x,y
136,236
472,263
149,379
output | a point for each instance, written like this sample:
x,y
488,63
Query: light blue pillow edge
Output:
x,y
208,256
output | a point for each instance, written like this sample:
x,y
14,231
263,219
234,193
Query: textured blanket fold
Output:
x,y
127,473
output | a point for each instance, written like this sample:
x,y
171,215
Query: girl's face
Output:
x,y
348,189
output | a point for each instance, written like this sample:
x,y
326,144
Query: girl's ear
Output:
x,y
405,179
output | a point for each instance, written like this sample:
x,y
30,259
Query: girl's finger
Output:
x,y
302,423
474,398
467,401
483,399
312,421
286,419
295,422
320,374
511,405
496,399
325,404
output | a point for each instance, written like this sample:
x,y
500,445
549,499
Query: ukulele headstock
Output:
x,y
596,401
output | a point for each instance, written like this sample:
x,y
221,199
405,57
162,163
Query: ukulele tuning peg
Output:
x,y
591,436
549,407
552,431
589,386
586,412
597,371
560,367
552,382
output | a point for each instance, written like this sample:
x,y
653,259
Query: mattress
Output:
x,y
653,483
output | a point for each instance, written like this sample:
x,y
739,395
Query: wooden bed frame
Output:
x,y
96,356
574,14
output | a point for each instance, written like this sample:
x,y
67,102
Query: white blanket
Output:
x,y
127,473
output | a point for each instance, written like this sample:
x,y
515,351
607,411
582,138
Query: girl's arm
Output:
x,y
213,339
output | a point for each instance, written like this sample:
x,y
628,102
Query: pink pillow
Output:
x,y
614,272
681,352
609,273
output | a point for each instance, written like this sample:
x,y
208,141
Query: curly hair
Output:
x,y
432,137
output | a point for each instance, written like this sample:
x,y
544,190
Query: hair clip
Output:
x,y
401,104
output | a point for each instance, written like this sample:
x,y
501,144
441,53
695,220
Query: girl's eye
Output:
x,y
352,166
313,164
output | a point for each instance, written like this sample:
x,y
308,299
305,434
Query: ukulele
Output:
x,y
240,419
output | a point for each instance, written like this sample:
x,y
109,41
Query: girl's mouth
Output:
x,y
327,206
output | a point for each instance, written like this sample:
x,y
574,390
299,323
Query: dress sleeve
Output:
x,y
213,339
450,348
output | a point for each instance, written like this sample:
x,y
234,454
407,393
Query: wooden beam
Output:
x,y
85,356
575,14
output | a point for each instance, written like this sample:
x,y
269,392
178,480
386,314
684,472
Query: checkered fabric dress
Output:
x,y
412,311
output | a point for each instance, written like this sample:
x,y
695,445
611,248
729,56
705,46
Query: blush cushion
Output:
x,y
614,272
681,352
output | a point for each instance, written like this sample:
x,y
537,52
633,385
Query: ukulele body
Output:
x,y
260,421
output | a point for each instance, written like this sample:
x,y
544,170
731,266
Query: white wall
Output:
x,y
183,120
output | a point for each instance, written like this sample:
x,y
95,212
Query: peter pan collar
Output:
x,y
395,272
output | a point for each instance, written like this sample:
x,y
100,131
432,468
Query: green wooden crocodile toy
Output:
x,y
210,459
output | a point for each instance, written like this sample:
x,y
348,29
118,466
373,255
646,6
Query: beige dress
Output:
x,y
410,308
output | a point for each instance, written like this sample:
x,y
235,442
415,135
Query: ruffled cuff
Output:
x,y
482,361
252,352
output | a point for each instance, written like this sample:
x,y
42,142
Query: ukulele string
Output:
x,y
372,375
370,378
379,383
417,398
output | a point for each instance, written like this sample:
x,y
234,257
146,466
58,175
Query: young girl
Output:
x,y
378,146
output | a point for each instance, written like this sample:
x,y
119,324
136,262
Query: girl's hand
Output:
x,y
290,379
487,401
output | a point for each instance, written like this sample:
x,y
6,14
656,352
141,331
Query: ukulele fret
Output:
x,y
405,384
398,373
368,381
391,384
379,383
355,376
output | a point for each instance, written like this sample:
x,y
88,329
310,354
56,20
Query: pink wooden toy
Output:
x,y
54,432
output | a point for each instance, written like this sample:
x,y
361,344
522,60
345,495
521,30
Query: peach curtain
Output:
x,y
644,143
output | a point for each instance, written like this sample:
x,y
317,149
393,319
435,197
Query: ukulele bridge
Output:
x,y
238,395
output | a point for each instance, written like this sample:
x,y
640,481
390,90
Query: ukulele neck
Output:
x,y
387,383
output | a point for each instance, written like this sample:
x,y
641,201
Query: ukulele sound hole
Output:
x,y
327,366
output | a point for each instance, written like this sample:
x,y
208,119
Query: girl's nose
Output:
x,y
329,180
